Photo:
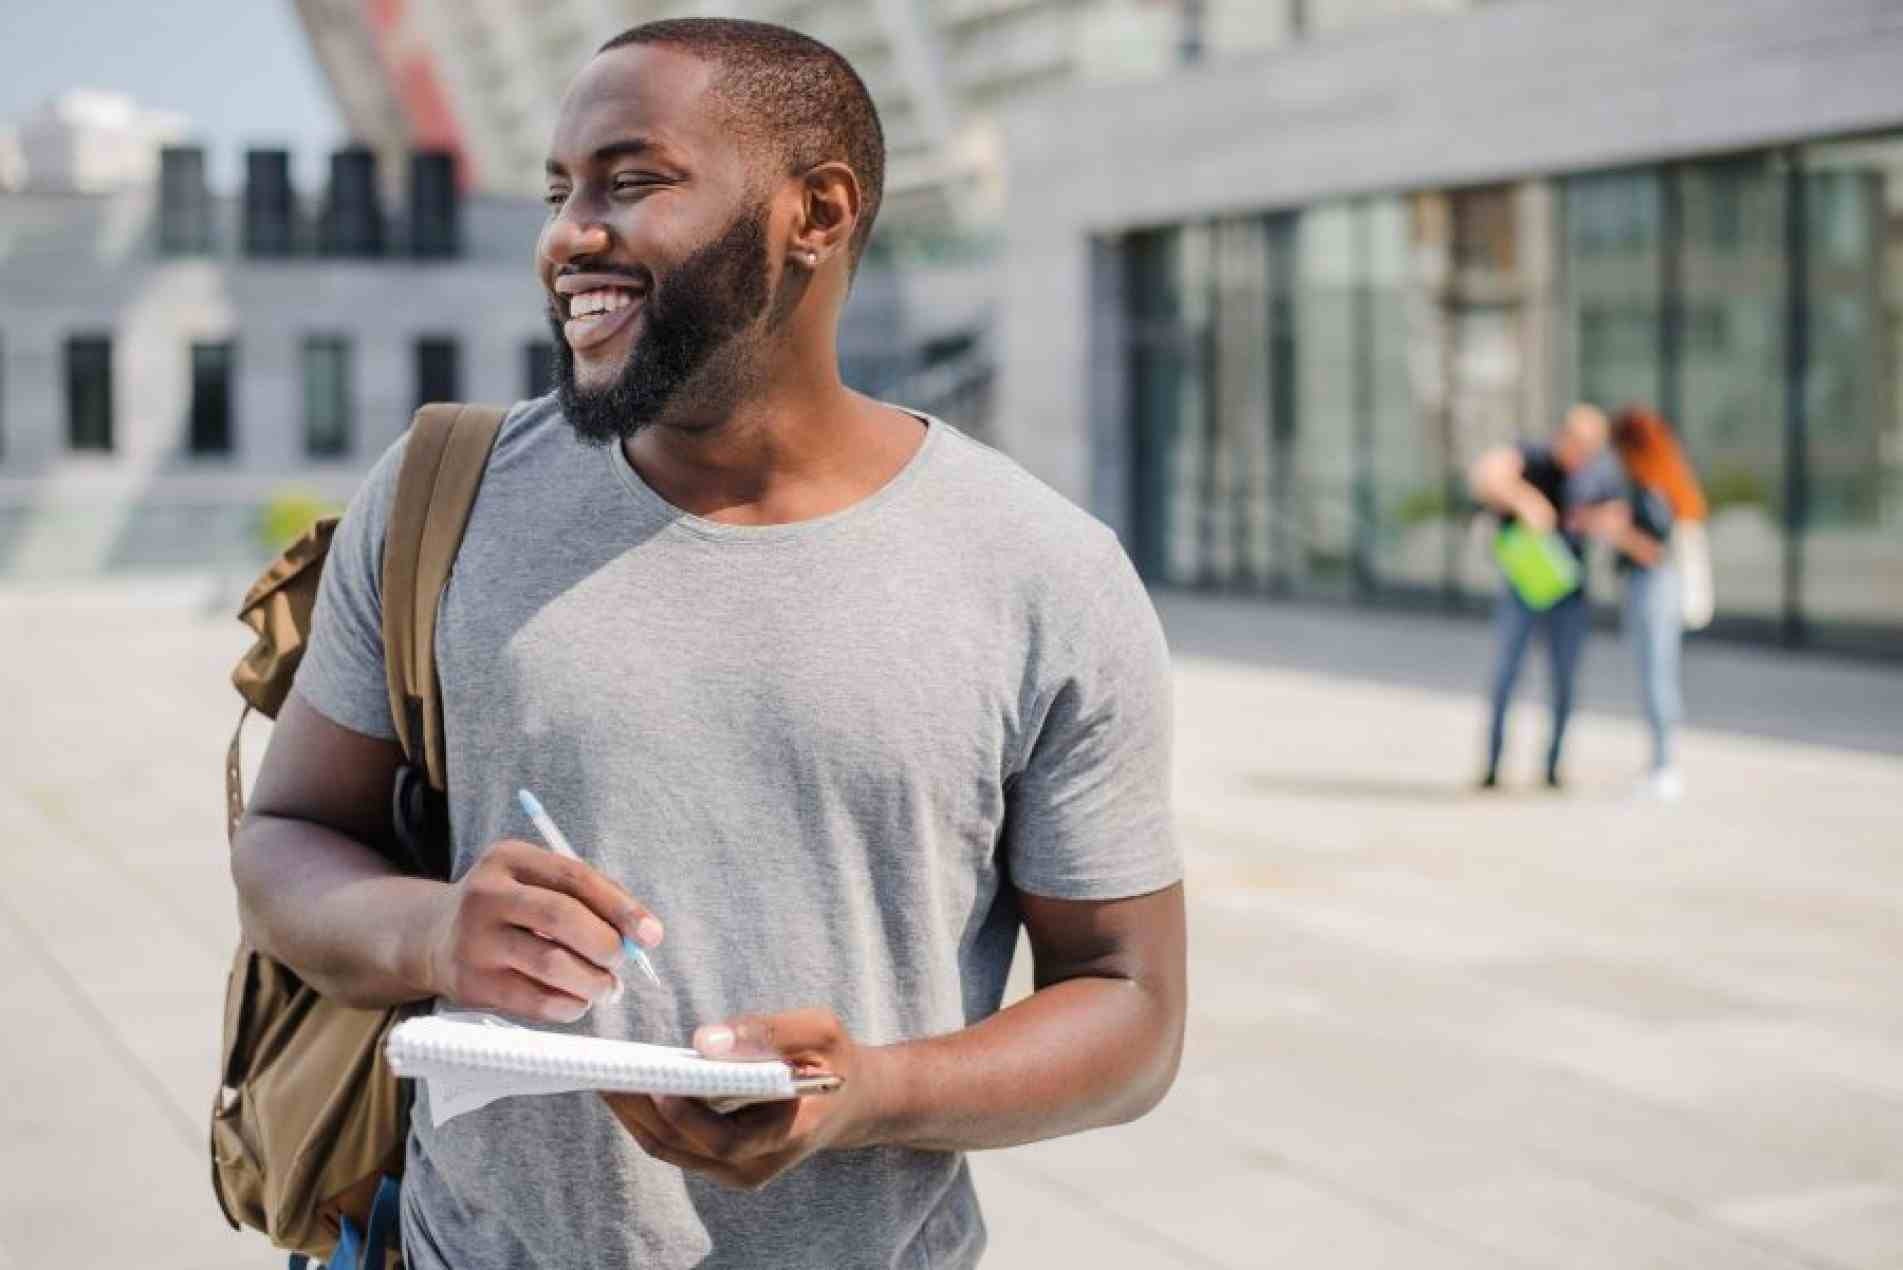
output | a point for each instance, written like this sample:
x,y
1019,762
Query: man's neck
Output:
x,y
795,451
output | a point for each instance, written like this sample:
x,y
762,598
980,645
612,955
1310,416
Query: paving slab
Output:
x,y
1860,1226
1428,1028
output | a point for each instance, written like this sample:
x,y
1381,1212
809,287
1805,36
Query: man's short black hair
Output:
x,y
790,90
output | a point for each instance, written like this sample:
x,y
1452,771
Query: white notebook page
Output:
x,y
470,1060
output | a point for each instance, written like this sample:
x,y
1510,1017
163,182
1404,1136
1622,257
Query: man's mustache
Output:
x,y
640,275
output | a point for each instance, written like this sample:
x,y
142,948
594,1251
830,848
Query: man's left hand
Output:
x,y
750,1147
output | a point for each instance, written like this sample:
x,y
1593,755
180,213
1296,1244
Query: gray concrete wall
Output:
x,y
1521,89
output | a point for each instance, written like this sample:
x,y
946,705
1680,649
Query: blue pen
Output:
x,y
558,843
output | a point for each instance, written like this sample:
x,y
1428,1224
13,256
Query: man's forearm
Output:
x,y
334,911
1078,1054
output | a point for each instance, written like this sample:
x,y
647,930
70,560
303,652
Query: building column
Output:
x,y
1537,216
1044,408
268,432
1107,421
385,389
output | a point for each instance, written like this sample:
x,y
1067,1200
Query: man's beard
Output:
x,y
690,313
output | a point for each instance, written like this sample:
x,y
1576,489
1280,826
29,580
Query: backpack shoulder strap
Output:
x,y
442,470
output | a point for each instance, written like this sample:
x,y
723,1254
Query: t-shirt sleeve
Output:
x,y
342,673
1600,481
1088,816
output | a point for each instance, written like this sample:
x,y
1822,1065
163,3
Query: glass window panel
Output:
x,y
211,398
1186,461
1198,314
1159,361
327,396
1731,369
1611,308
1491,333
1610,313
1413,520
1852,558
1316,446
89,392
438,370
1236,498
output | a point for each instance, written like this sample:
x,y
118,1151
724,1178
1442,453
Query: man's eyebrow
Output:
x,y
626,148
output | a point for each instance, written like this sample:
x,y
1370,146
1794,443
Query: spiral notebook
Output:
x,y
470,1060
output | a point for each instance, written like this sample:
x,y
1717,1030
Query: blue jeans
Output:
x,y
1566,624
1654,624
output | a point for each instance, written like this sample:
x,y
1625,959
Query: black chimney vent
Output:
x,y
269,206
435,205
353,218
184,202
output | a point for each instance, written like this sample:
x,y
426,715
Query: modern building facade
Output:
x,y
173,362
1261,315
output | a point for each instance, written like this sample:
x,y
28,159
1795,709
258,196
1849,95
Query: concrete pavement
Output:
x,y
1429,1028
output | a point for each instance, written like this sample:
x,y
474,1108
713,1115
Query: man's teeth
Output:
x,y
605,300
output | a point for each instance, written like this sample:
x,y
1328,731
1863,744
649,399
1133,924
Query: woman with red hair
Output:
x,y
1658,530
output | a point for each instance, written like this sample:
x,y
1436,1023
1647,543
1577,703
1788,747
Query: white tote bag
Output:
x,y
1691,549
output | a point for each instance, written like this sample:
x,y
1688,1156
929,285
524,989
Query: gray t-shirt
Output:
x,y
824,753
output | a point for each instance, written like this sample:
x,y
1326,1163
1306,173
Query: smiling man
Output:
x,y
833,700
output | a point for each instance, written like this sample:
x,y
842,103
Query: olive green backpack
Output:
x,y
309,1125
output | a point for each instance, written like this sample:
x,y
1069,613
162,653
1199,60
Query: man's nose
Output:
x,y
570,238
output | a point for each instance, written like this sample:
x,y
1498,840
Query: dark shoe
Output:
x,y
1553,781
1490,781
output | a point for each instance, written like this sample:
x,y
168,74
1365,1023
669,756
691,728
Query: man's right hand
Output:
x,y
531,933
1533,510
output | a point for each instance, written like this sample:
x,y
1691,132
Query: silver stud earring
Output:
x,y
811,258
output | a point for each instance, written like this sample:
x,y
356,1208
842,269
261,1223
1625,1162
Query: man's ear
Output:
x,y
829,211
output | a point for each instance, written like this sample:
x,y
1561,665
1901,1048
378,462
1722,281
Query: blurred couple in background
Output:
x,y
1626,484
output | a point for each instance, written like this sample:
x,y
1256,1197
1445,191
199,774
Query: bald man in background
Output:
x,y
1539,485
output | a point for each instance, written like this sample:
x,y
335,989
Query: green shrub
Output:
x,y
288,514
1736,487
1421,505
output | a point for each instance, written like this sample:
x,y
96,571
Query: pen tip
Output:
x,y
528,801
634,953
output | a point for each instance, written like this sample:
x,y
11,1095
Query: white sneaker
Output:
x,y
1666,785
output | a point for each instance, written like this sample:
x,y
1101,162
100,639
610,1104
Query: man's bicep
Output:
x,y
321,772
1139,938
